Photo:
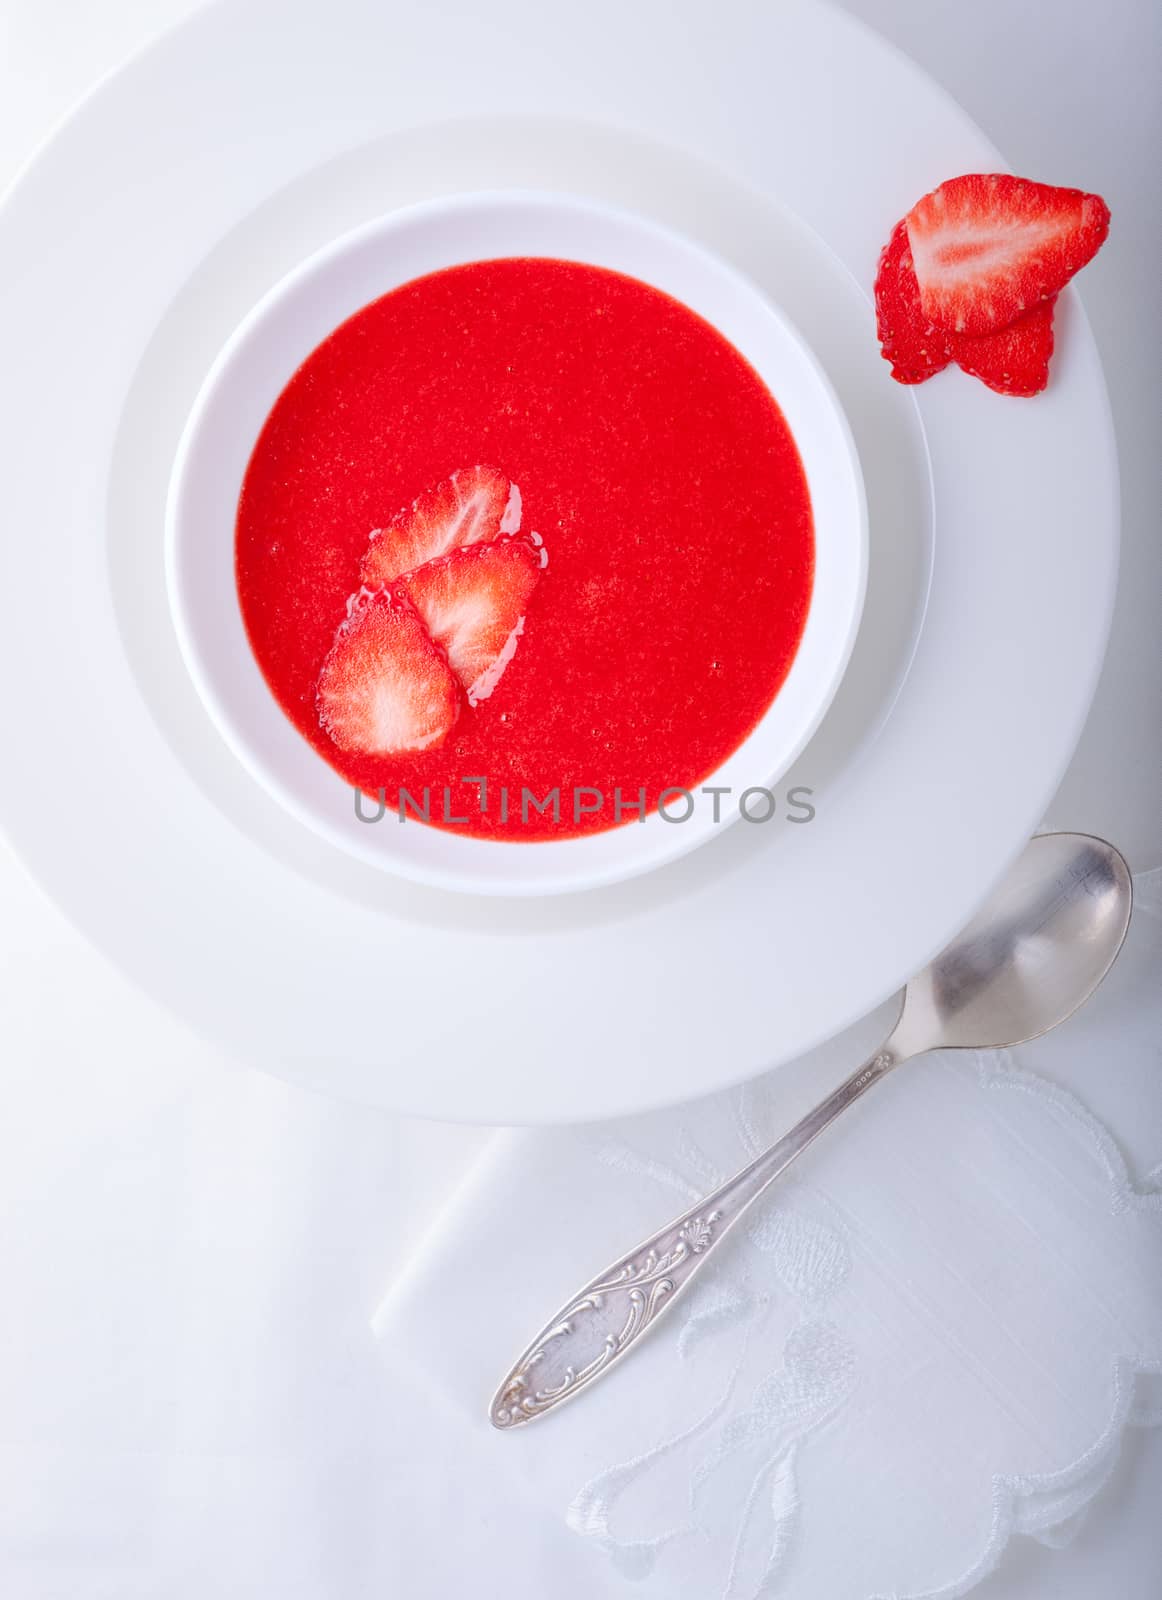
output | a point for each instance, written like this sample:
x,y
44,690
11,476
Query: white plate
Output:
x,y
272,343
174,198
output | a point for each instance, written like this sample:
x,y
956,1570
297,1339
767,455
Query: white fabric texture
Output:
x,y
932,1335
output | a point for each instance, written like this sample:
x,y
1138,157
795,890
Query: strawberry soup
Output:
x,y
531,522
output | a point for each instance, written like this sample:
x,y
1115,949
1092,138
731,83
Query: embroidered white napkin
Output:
x,y
932,1334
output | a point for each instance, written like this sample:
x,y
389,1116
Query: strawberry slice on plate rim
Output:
x,y
1013,361
988,247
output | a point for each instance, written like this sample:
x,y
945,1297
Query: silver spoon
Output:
x,y
1033,954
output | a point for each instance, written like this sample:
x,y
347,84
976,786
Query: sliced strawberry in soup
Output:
x,y
474,504
473,602
385,687
1015,360
914,345
988,247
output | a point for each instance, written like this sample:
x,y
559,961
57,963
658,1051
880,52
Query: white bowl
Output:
x,y
251,372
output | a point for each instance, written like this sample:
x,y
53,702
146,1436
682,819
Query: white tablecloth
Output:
x,y
193,1401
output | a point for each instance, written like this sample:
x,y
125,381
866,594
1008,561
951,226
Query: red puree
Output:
x,y
652,461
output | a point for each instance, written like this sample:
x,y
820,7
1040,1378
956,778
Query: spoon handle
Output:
x,y
612,1312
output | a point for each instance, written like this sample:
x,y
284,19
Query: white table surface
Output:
x,y
114,1369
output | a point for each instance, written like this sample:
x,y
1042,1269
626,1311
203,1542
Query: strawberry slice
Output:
x,y
473,504
473,602
987,247
1014,360
914,345
385,687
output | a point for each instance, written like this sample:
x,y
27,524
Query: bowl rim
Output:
x,y
489,856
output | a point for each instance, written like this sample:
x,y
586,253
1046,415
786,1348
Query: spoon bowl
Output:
x,y
1035,951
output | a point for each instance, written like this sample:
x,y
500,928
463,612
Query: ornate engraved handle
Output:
x,y
609,1316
